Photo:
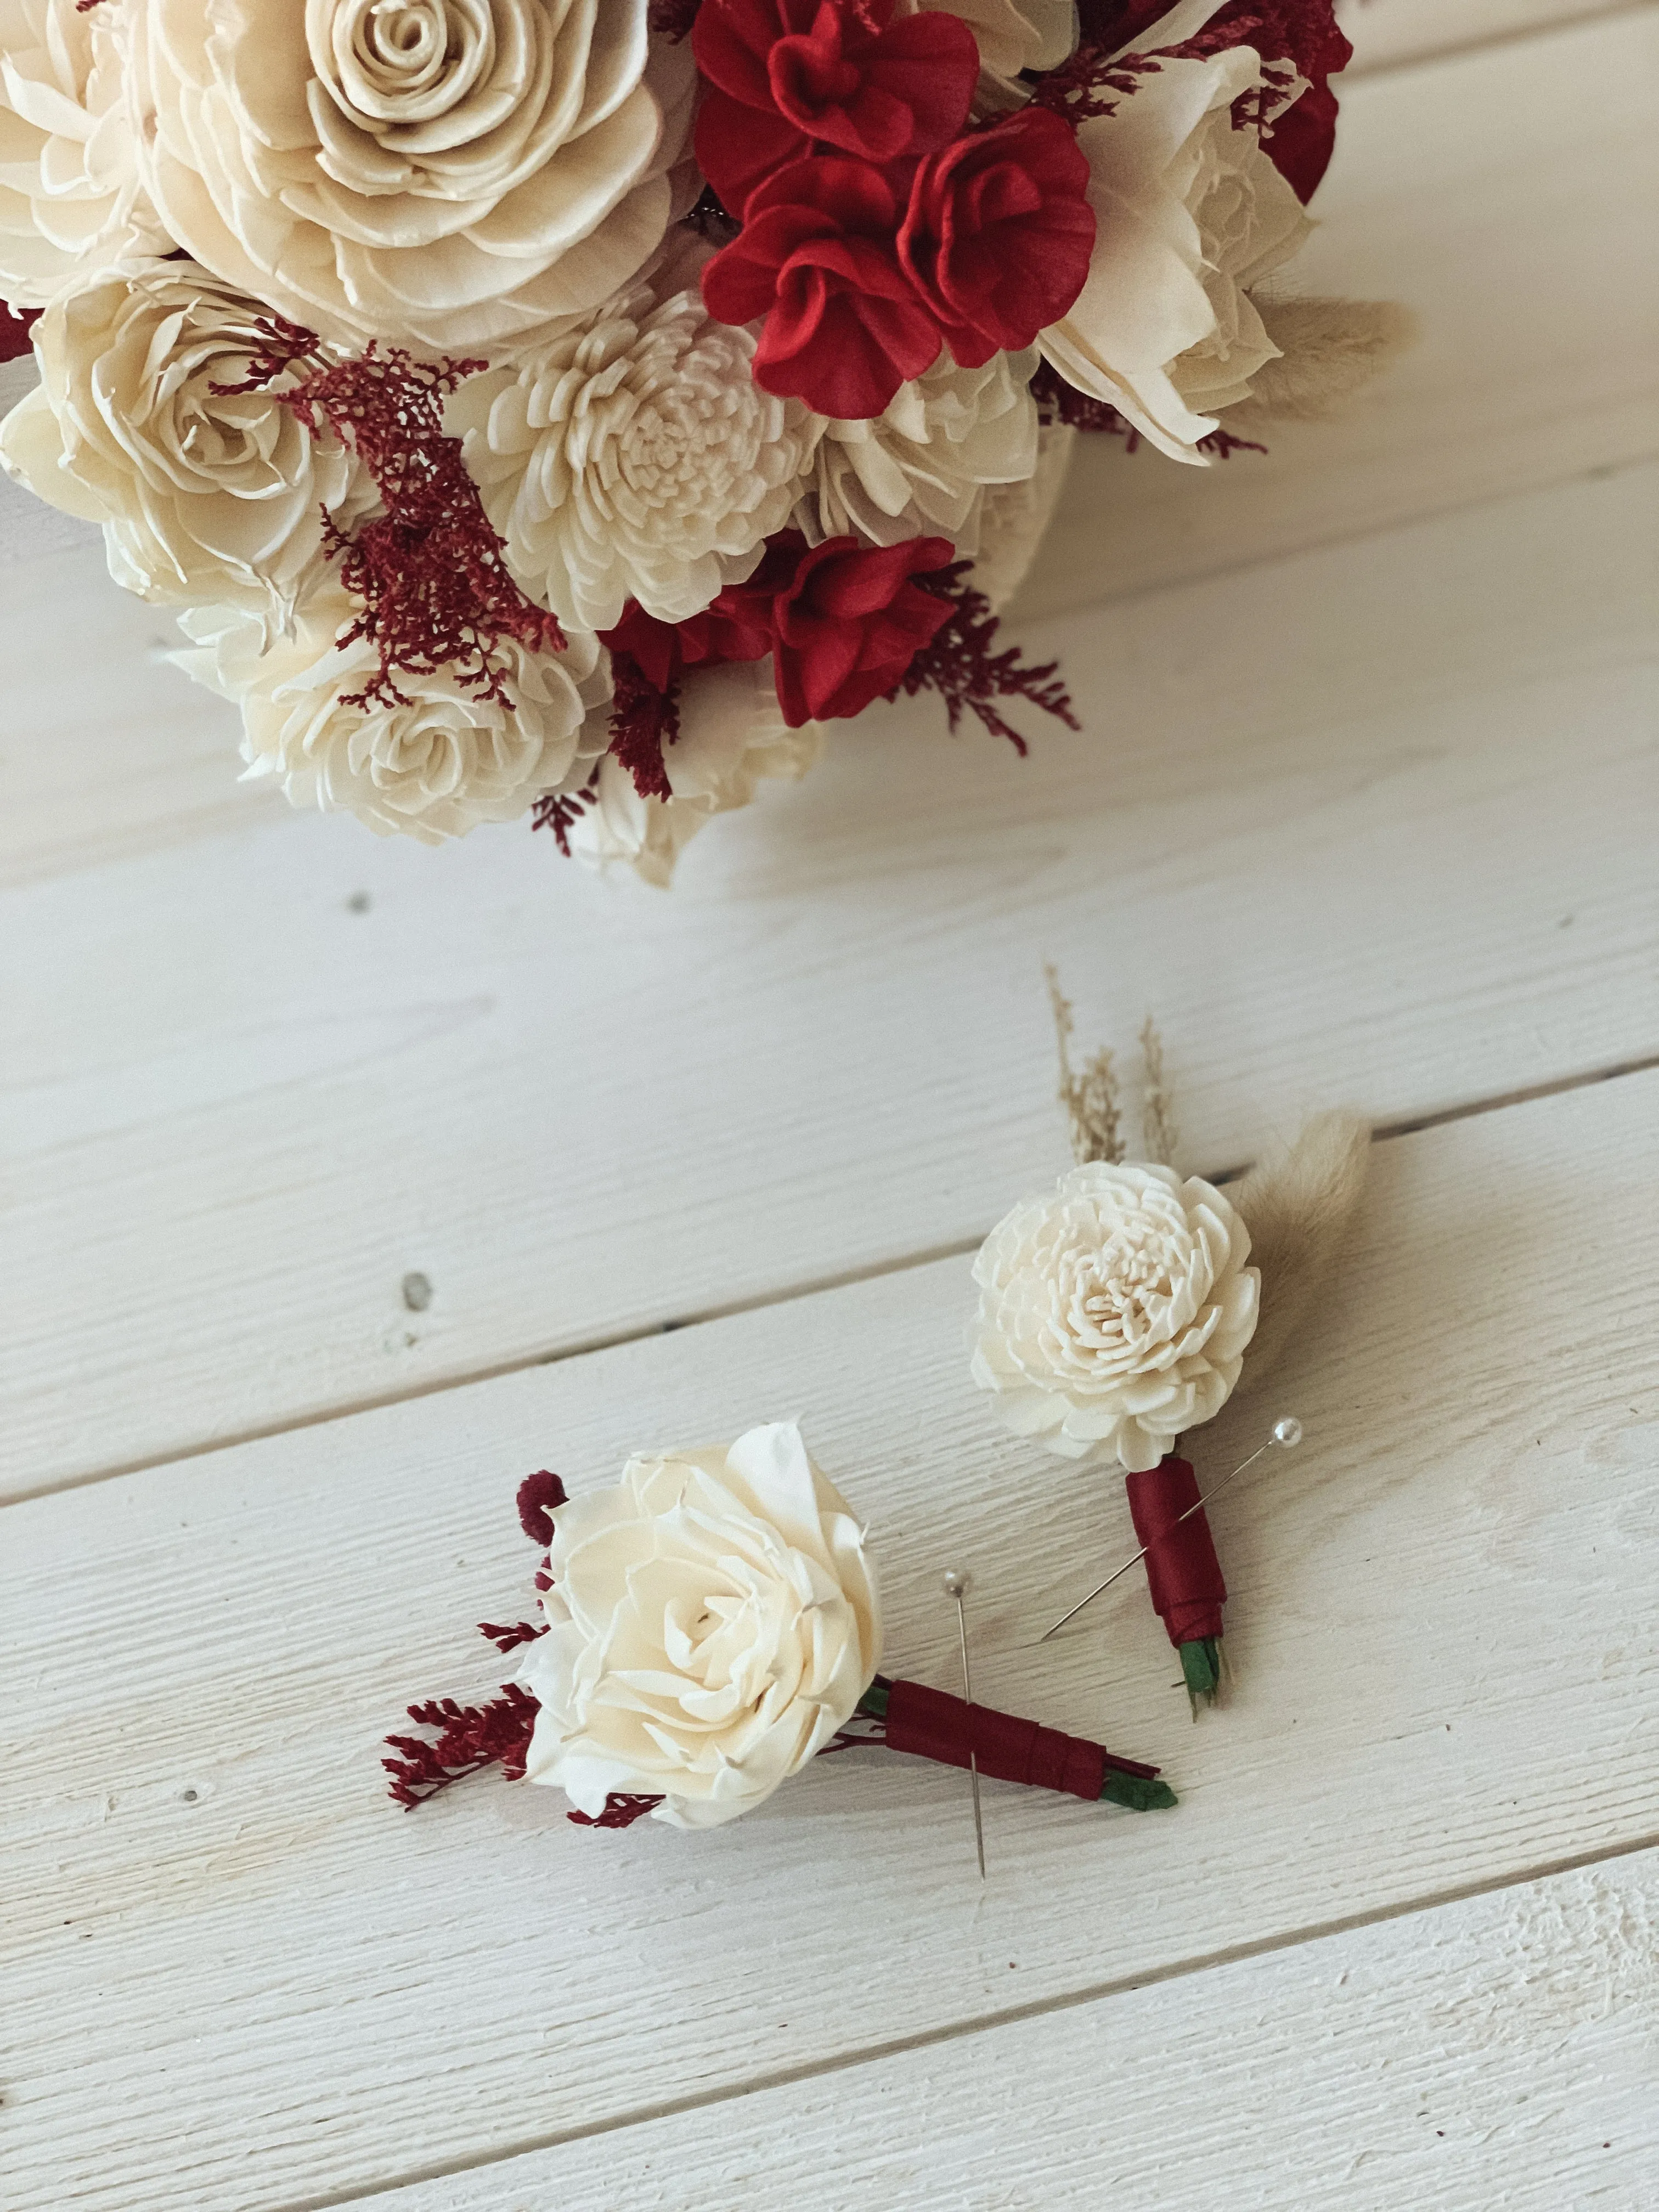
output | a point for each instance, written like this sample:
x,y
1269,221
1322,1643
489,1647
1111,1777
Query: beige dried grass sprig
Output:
x,y
1298,1207
1090,1098
1328,349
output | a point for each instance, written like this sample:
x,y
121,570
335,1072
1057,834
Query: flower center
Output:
x,y
406,61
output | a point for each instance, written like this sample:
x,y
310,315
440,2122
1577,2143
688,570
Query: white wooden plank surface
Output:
x,y
1506,196
1374,823
1389,33
1503,2050
236,1978
1475,190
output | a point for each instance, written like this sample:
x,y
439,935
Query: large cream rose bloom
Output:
x,y
203,495
431,766
635,457
732,736
1114,1314
444,173
711,1623
1189,214
70,201
921,467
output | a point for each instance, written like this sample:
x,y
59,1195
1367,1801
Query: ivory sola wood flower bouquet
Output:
x,y
563,408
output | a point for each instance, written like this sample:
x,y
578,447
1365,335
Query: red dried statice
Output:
x,y
622,1809
436,591
644,717
470,1738
1074,89
509,1636
560,812
958,663
539,1497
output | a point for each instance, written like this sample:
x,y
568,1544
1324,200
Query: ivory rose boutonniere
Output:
x,y
709,1626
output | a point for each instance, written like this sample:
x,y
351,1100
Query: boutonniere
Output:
x,y
1118,1311
708,1626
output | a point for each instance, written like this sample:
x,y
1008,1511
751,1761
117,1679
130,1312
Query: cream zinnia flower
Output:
x,y
1189,214
70,202
203,495
732,736
1114,1314
636,458
443,174
712,1621
431,768
921,468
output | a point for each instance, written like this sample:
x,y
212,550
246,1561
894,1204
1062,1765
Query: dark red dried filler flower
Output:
x,y
435,590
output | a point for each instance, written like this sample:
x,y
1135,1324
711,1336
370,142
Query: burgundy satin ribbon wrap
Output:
x,y
934,1725
1183,1571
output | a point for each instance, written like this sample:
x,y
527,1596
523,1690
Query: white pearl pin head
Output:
x,y
1287,1431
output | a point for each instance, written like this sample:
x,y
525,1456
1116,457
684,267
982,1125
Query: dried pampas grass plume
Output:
x,y
1297,1209
1329,349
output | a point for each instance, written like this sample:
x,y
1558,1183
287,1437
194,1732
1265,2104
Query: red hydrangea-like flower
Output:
x,y
998,234
782,76
843,621
736,626
847,620
844,327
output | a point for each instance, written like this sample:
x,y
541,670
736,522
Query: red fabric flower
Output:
x,y
781,76
842,622
843,325
998,234
736,626
847,620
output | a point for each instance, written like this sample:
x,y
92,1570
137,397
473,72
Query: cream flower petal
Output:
x,y
448,173
432,766
72,204
713,1620
1188,212
1114,1314
632,457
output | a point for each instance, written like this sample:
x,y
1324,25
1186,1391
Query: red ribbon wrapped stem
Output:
x,y
934,1725
1183,1571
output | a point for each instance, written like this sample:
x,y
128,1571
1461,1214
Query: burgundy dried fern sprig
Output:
x,y
429,571
470,1738
959,665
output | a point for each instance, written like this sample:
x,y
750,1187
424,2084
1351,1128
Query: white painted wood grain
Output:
x,y
235,1976
1502,2050
1389,34
1375,824
1505,196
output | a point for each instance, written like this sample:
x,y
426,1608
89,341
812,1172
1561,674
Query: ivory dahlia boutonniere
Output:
x,y
709,1624
1118,1311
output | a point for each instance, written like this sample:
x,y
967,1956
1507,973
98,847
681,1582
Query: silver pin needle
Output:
x,y
956,1586
1287,1432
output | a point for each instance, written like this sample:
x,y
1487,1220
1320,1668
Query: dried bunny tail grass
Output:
x,y
1091,1098
1297,1209
1329,349
1157,1121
